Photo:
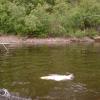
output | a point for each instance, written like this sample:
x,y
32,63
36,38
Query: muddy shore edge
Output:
x,y
16,40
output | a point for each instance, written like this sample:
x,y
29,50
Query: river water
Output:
x,y
21,69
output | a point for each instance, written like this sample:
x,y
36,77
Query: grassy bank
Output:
x,y
50,18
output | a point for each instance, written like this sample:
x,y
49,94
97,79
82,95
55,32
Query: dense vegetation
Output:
x,y
50,17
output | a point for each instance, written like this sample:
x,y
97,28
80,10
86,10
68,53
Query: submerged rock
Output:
x,y
5,95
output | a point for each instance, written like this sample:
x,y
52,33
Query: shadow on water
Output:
x,y
21,69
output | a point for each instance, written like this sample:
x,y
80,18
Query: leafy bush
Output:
x,y
50,17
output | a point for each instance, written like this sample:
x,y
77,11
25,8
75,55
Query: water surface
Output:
x,y
21,69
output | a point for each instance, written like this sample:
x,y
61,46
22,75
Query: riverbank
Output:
x,y
16,40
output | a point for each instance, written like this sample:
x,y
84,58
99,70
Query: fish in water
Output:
x,y
57,77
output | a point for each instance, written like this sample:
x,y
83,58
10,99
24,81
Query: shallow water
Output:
x,y
21,69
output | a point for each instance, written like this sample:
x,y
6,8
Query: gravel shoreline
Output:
x,y
46,41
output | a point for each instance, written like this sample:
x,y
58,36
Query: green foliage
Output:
x,y
50,17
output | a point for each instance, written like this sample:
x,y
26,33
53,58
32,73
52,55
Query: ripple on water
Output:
x,y
71,91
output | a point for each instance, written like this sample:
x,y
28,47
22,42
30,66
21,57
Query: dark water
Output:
x,y
21,69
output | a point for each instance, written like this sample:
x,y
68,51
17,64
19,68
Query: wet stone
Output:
x,y
97,39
